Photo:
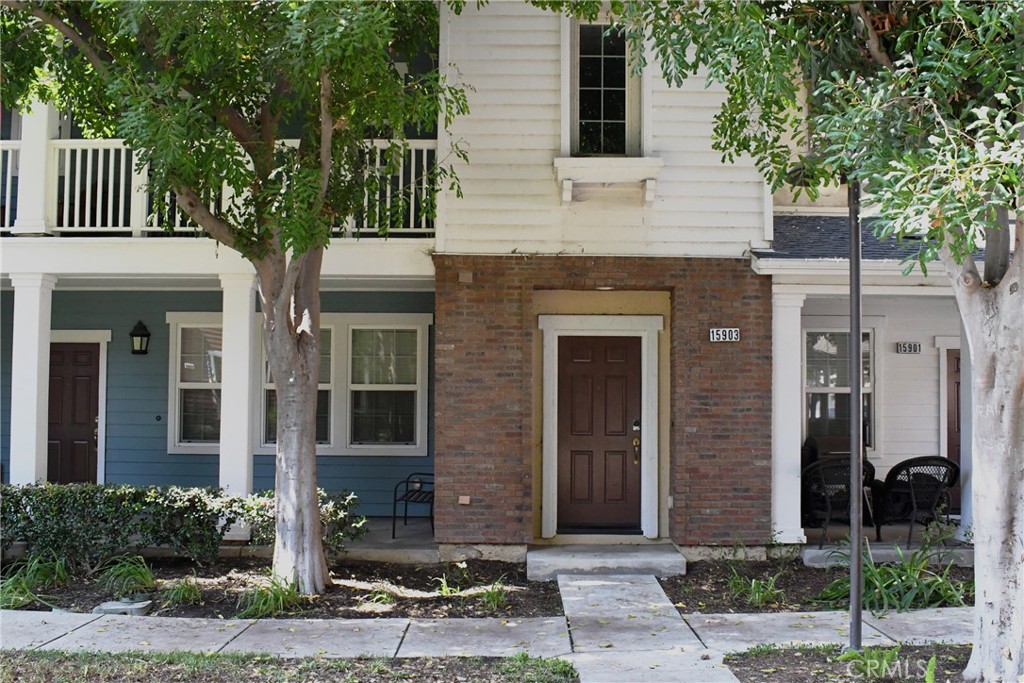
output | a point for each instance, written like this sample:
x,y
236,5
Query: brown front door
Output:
x,y
953,419
598,406
74,412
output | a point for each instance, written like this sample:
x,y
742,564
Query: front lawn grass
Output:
x,y
187,667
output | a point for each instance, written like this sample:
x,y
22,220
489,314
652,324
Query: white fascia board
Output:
x,y
773,266
101,256
179,260
831,277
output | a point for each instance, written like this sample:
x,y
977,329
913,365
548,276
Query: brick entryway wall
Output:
x,y
485,433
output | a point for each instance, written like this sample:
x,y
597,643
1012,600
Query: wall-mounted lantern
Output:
x,y
140,338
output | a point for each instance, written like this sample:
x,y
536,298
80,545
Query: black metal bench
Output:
x,y
418,487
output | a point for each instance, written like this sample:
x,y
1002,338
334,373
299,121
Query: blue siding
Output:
x,y
6,337
372,479
137,385
136,406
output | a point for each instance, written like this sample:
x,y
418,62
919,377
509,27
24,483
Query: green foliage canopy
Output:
x,y
920,101
206,92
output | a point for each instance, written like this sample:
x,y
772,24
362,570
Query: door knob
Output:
x,y
636,450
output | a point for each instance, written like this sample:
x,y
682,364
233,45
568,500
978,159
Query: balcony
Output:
x,y
93,189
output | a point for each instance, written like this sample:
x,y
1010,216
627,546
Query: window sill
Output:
x,y
607,171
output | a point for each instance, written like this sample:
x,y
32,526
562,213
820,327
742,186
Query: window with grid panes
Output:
x,y
383,385
197,384
606,94
827,385
323,396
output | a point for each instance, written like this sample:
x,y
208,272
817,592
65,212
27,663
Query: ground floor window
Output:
x,y
372,396
827,386
195,381
323,396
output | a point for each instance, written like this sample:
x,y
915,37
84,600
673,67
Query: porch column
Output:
x,y
787,412
965,532
238,385
38,127
30,376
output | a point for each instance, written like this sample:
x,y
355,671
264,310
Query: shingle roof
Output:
x,y
828,237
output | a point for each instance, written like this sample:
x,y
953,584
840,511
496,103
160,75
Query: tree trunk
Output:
x,y
995,330
290,298
298,553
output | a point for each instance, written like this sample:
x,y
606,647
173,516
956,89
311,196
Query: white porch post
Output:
x,y
237,384
38,127
787,411
30,380
965,532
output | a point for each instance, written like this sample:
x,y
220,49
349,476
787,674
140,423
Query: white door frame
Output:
x,y
646,327
100,338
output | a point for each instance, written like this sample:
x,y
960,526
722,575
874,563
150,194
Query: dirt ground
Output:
x,y
495,589
360,590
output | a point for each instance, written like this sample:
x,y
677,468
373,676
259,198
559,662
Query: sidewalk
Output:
x,y
615,629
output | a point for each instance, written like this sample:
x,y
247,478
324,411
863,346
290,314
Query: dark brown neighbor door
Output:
x,y
598,462
74,412
953,419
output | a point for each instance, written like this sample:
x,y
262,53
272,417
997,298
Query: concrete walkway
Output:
x,y
616,629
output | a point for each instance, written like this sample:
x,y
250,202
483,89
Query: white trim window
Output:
x,y
372,397
194,401
605,93
323,395
382,386
827,385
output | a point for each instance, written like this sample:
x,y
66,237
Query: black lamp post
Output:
x,y
140,339
856,419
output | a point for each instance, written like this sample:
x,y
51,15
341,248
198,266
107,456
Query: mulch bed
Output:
x,y
379,589
705,587
361,590
821,665
375,589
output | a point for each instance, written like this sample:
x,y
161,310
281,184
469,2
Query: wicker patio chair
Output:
x,y
915,490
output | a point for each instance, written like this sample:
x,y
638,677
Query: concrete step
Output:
x,y
547,562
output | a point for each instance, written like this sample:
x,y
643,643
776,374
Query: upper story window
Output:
x,y
606,96
827,387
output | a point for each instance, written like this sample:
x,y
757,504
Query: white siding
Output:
x,y
509,55
907,415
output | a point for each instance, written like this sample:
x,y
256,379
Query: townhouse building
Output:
x,y
612,336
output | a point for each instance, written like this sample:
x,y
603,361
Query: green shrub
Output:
x,y
268,600
910,583
127,576
184,591
757,592
495,596
84,524
88,524
190,521
22,581
338,524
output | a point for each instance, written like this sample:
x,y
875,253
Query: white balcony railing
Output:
x,y
93,189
